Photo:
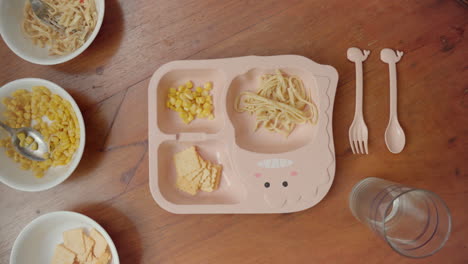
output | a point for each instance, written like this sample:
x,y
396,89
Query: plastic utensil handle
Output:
x,y
359,88
393,88
7,128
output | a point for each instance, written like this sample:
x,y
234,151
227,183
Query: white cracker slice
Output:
x,y
186,161
63,255
73,240
100,244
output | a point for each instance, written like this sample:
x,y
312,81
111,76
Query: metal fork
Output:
x,y
42,11
358,134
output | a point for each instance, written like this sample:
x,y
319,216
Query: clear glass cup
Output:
x,y
415,223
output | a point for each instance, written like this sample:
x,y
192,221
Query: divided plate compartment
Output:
x,y
263,172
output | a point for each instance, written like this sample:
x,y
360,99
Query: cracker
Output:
x,y
188,186
73,240
89,244
205,176
203,163
191,176
194,173
207,187
63,255
217,176
91,259
104,258
186,161
100,244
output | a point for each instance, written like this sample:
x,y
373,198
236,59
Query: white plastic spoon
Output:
x,y
394,135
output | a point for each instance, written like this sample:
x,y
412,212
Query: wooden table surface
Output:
x,y
110,79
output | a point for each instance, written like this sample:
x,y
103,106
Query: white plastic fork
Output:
x,y
358,134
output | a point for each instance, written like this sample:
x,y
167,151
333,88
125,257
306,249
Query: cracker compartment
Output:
x,y
230,189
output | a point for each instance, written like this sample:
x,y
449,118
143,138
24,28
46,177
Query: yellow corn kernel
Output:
x,y
206,105
211,117
168,105
201,100
34,146
172,101
188,94
190,116
39,174
189,84
183,115
21,136
181,88
186,104
199,89
10,153
178,103
208,86
172,90
206,112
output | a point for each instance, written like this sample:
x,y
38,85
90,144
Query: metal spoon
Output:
x,y
37,155
42,11
394,135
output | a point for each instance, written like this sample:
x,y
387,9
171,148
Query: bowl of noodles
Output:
x,y
77,22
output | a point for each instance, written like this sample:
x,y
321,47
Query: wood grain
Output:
x,y
109,81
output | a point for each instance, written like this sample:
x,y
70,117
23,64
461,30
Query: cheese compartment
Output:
x,y
262,140
230,189
169,121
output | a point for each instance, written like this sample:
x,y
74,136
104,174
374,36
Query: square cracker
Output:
x,y
186,161
218,169
63,255
203,163
205,176
89,244
188,186
194,174
104,258
211,181
91,260
73,240
100,244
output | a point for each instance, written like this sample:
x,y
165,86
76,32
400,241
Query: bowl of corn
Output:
x,y
49,109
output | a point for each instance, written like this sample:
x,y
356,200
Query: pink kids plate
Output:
x,y
263,172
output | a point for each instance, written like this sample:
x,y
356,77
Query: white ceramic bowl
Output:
x,y
11,17
37,241
10,172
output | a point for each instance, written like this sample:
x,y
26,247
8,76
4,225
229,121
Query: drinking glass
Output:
x,y
416,223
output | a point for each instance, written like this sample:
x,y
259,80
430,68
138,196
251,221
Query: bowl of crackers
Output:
x,y
64,238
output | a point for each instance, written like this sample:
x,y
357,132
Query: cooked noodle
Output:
x,y
280,103
76,20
